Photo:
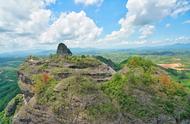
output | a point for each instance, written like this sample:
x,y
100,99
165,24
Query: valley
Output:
x,y
8,80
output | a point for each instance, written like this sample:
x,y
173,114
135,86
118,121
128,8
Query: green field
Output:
x,y
8,80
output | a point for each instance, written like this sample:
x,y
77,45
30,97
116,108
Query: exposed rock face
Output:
x,y
25,84
63,50
74,93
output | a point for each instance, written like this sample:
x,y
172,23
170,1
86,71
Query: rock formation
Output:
x,y
63,50
75,77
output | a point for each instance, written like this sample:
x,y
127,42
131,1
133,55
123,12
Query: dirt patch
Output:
x,y
176,66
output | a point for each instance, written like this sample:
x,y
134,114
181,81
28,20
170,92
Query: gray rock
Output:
x,y
63,50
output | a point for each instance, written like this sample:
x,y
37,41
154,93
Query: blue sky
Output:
x,y
29,24
107,15
110,12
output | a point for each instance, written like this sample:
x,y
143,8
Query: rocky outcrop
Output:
x,y
74,91
63,50
26,86
24,78
108,62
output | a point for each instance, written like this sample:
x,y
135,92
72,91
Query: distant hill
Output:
x,y
40,52
167,49
178,46
24,53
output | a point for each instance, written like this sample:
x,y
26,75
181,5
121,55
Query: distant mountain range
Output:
x,y
94,51
25,53
179,46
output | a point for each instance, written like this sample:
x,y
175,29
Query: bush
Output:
x,y
134,62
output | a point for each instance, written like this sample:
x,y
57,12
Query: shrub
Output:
x,y
134,62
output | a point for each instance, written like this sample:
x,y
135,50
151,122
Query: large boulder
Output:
x,y
63,50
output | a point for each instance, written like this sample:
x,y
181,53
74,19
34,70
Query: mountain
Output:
x,y
169,49
40,52
173,47
25,53
178,46
87,90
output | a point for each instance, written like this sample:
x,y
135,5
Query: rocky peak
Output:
x,y
63,50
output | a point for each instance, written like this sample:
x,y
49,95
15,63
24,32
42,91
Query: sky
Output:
x,y
42,24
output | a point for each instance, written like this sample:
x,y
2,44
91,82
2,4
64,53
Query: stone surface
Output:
x,y
63,50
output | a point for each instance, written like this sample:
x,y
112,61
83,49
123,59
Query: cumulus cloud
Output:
x,y
15,13
22,21
143,12
26,24
146,30
142,15
180,7
73,27
89,2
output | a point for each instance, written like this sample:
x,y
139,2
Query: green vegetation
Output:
x,y
12,107
44,88
89,60
182,76
4,119
8,84
157,57
109,62
65,86
8,80
144,94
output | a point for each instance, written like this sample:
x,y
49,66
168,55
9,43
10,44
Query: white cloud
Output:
x,y
187,22
89,2
26,23
22,21
16,12
180,7
146,31
73,27
148,11
142,15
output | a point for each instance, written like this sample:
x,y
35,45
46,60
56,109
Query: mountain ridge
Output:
x,y
85,89
93,51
